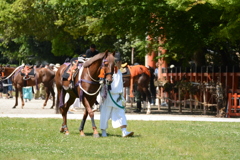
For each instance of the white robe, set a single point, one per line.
(109, 109)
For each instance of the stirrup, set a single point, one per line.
(26, 78)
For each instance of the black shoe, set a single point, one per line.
(137, 110)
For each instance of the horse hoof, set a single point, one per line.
(82, 135)
(61, 130)
(67, 133)
(14, 107)
(52, 107)
(96, 135)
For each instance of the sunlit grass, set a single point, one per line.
(40, 139)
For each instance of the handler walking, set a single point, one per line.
(113, 103)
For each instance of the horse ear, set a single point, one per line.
(106, 53)
(113, 54)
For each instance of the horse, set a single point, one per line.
(85, 86)
(141, 77)
(42, 75)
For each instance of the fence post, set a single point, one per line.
(204, 102)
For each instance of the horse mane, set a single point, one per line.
(93, 59)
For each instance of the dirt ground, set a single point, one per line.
(35, 107)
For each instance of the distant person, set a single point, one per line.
(5, 88)
(10, 87)
(1, 89)
(47, 66)
(156, 71)
(51, 66)
(92, 51)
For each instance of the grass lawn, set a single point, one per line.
(40, 139)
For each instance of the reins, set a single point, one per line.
(91, 76)
(81, 80)
(122, 107)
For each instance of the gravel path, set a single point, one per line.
(33, 109)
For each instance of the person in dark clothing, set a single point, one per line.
(1, 89)
(92, 51)
(5, 88)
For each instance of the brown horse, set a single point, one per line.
(42, 75)
(85, 86)
(139, 79)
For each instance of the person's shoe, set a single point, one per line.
(94, 109)
(127, 134)
(137, 110)
(104, 133)
(72, 109)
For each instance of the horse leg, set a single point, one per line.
(21, 96)
(81, 128)
(53, 97)
(64, 111)
(147, 99)
(47, 96)
(91, 114)
(58, 99)
(64, 128)
(149, 102)
(16, 97)
(131, 87)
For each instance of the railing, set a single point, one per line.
(206, 79)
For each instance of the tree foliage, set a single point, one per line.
(205, 31)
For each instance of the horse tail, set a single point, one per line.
(57, 104)
(58, 97)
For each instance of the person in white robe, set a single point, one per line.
(113, 103)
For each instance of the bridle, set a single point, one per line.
(94, 81)
(105, 74)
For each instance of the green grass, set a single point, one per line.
(39, 139)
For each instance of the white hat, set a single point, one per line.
(57, 65)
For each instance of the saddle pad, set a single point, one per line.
(138, 69)
(65, 74)
(31, 73)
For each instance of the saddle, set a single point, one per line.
(71, 71)
(27, 72)
(69, 74)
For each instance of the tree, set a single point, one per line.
(203, 28)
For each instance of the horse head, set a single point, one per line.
(102, 64)
(108, 66)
